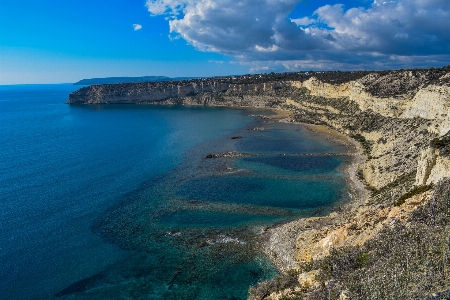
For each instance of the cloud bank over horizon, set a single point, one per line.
(261, 35)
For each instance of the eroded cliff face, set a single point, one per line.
(431, 103)
(373, 252)
(173, 92)
(355, 91)
(398, 94)
(431, 167)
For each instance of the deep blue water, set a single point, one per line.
(118, 201)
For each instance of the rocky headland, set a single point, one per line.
(392, 241)
(114, 80)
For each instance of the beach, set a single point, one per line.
(280, 241)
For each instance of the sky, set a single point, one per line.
(63, 41)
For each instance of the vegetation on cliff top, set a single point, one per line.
(415, 191)
(403, 82)
(114, 80)
(406, 260)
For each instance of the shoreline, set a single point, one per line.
(404, 151)
(359, 192)
(279, 241)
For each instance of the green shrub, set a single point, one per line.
(364, 143)
(415, 191)
(363, 259)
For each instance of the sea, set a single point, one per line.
(122, 201)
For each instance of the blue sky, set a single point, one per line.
(57, 41)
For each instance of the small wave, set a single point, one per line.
(233, 170)
(173, 234)
(223, 239)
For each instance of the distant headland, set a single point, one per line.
(115, 80)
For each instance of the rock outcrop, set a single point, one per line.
(431, 167)
(432, 103)
(364, 223)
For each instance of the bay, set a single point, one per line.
(117, 201)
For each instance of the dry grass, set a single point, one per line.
(408, 260)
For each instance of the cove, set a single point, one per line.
(117, 201)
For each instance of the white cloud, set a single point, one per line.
(403, 27)
(272, 48)
(137, 27)
(305, 21)
(228, 26)
(173, 7)
(260, 30)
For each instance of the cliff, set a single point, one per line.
(113, 80)
(398, 230)
(179, 92)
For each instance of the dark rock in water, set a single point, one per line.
(81, 285)
(204, 244)
(257, 128)
(262, 117)
(228, 155)
(236, 137)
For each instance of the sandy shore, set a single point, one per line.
(280, 241)
(358, 191)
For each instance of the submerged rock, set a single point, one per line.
(231, 154)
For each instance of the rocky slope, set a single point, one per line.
(401, 120)
(378, 252)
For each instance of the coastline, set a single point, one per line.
(279, 241)
(358, 191)
(405, 152)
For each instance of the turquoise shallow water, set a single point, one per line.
(114, 202)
